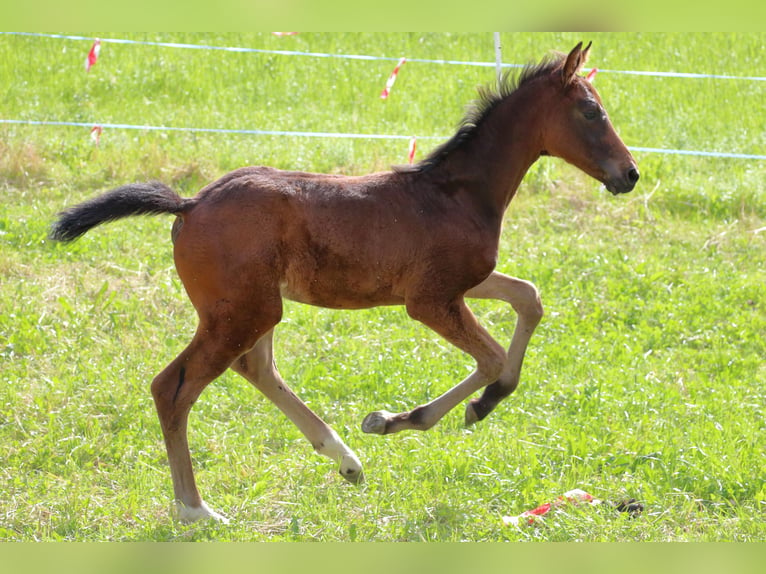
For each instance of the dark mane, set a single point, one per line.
(479, 109)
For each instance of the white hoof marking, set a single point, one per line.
(350, 466)
(189, 514)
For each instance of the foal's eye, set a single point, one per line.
(591, 113)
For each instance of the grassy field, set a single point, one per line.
(646, 378)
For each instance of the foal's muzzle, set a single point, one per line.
(625, 183)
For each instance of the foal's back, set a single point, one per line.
(328, 240)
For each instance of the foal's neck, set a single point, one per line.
(507, 142)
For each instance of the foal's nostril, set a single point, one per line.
(633, 175)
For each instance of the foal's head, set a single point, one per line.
(577, 129)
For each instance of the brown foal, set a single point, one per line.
(424, 236)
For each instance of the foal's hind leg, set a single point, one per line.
(525, 299)
(258, 367)
(219, 340)
(175, 390)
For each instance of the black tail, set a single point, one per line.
(134, 199)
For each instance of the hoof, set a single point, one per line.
(354, 477)
(470, 415)
(351, 469)
(189, 514)
(375, 423)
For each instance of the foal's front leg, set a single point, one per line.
(456, 323)
(525, 299)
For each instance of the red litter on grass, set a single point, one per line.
(575, 496)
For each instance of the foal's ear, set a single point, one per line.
(574, 63)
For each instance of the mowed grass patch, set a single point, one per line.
(644, 380)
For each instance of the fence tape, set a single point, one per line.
(372, 58)
(335, 135)
(352, 57)
(214, 130)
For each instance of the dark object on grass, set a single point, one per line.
(630, 505)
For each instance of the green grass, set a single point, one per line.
(645, 379)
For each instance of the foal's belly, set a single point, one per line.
(340, 292)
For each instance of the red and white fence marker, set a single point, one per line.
(95, 134)
(92, 58)
(284, 33)
(392, 79)
(591, 75)
(411, 151)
